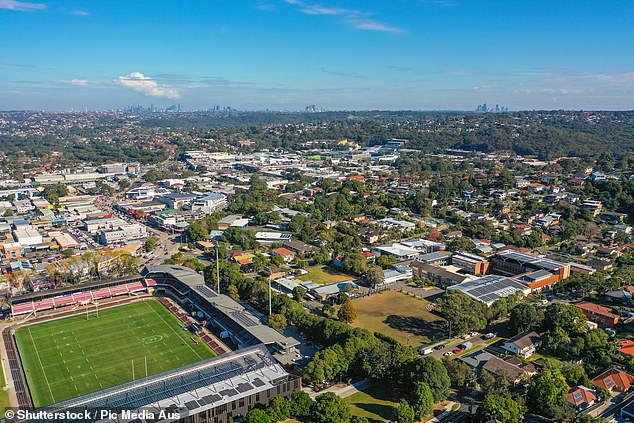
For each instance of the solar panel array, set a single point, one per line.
(206, 291)
(244, 319)
(578, 397)
(490, 288)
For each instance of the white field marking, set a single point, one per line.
(48, 385)
(177, 334)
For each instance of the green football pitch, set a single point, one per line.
(80, 354)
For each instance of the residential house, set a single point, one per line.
(581, 397)
(300, 248)
(524, 344)
(603, 316)
(285, 253)
(614, 380)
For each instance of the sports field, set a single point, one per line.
(400, 316)
(77, 355)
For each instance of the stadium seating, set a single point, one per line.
(80, 298)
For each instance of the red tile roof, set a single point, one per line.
(581, 395)
(627, 346)
(597, 309)
(614, 378)
(283, 252)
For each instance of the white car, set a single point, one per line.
(448, 353)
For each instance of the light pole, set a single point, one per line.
(217, 269)
(270, 273)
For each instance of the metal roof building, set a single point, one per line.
(217, 389)
(491, 288)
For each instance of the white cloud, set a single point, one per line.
(146, 85)
(21, 6)
(80, 13)
(357, 19)
(375, 26)
(79, 82)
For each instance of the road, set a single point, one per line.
(477, 341)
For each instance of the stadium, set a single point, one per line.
(128, 349)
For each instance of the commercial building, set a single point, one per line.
(64, 240)
(471, 263)
(27, 236)
(531, 270)
(123, 234)
(441, 275)
(210, 203)
(491, 288)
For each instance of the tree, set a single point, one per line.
(525, 317)
(279, 409)
(196, 232)
(461, 243)
(505, 410)
(329, 408)
(151, 243)
(298, 293)
(257, 415)
(462, 312)
(385, 259)
(277, 322)
(347, 312)
(374, 276)
(568, 317)
(428, 370)
(242, 238)
(547, 391)
(67, 252)
(301, 404)
(423, 400)
(232, 292)
(460, 373)
(405, 413)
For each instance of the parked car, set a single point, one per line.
(439, 347)
(465, 345)
(489, 335)
(426, 351)
(457, 351)
(448, 353)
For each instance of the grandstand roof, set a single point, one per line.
(241, 316)
(186, 275)
(46, 293)
(190, 389)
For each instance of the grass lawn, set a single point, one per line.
(374, 403)
(399, 316)
(324, 275)
(73, 356)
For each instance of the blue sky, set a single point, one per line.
(337, 54)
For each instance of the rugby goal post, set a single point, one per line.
(92, 312)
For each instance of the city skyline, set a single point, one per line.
(286, 54)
